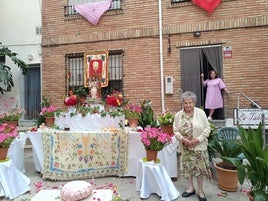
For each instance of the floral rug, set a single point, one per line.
(80, 155)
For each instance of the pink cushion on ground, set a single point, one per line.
(76, 190)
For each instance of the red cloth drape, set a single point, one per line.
(208, 5)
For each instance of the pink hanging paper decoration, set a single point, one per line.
(93, 11)
(208, 5)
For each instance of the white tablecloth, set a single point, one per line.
(89, 122)
(153, 178)
(12, 182)
(136, 151)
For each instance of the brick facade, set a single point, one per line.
(135, 30)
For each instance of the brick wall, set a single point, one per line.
(134, 29)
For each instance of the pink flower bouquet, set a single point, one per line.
(154, 139)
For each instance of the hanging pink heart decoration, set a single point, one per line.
(208, 5)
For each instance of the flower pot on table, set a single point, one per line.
(133, 122)
(3, 153)
(50, 121)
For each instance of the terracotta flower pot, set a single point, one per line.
(227, 179)
(151, 155)
(168, 129)
(50, 121)
(133, 122)
(14, 123)
(3, 153)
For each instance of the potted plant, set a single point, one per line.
(255, 170)
(166, 120)
(132, 113)
(8, 133)
(49, 112)
(146, 117)
(226, 171)
(81, 93)
(13, 116)
(154, 140)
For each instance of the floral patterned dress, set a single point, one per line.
(192, 162)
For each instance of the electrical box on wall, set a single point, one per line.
(169, 84)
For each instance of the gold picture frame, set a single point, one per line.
(96, 67)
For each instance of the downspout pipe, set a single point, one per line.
(161, 54)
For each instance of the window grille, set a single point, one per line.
(178, 1)
(75, 72)
(69, 9)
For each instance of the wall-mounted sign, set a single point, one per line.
(228, 52)
(250, 117)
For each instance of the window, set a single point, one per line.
(69, 9)
(75, 72)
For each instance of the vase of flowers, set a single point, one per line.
(8, 133)
(154, 140)
(166, 120)
(49, 114)
(132, 113)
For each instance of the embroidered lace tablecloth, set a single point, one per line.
(70, 155)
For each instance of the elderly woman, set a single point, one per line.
(191, 129)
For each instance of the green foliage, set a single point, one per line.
(166, 118)
(46, 101)
(146, 117)
(211, 138)
(256, 168)
(117, 111)
(39, 119)
(81, 92)
(5, 71)
(226, 148)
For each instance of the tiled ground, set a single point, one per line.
(124, 187)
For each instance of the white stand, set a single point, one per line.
(153, 178)
(12, 182)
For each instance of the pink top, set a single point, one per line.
(214, 98)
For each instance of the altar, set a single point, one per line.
(68, 155)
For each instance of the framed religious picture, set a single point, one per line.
(96, 68)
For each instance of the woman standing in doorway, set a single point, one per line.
(214, 99)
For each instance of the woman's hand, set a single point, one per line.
(186, 142)
(194, 142)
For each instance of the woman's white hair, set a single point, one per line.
(187, 95)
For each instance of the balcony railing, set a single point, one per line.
(70, 11)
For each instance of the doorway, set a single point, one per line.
(32, 92)
(197, 60)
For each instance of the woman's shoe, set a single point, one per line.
(202, 198)
(186, 194)
(209, 118)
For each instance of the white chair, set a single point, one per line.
(12, 182)
(16, 151)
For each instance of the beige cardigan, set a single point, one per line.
(201, 128)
